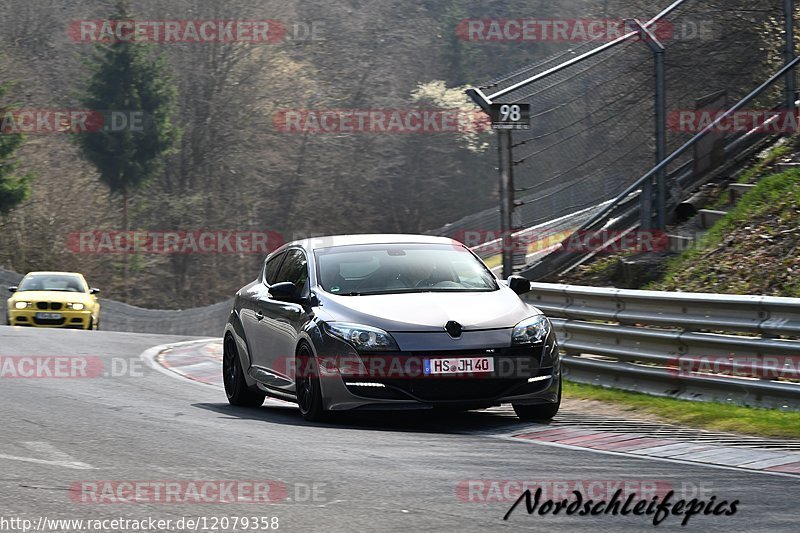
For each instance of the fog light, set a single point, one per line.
(365, 384)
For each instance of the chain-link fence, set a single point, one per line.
(593, 122)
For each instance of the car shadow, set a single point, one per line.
(495, 420)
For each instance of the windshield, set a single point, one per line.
(398, 268)
(52, 282)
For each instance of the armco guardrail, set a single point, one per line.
(117, 316)
(738, 349)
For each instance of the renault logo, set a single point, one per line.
(453, 329)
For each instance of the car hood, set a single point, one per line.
(429, 311)
(51, 296)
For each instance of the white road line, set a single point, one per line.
(48, 450)
(66, 464)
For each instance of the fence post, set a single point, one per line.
(661, 134)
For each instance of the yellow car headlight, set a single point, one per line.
(76, 307)
(23, 305)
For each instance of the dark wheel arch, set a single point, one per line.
(236, 389)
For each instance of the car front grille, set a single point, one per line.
(45, 306)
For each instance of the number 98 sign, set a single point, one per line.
(510, 116)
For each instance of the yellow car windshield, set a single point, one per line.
(52, 282)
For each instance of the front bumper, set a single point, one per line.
(69, 319)
(519, 377)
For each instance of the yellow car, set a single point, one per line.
(54, 300)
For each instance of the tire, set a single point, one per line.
(309, 392)
(236, 389)
(91, 324)
(545, 411)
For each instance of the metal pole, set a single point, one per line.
(506, 199)
(788, 53)
(647, 200)
(661, 140)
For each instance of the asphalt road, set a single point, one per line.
(383, 472)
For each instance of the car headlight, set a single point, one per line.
(23, 305)
(531, 330)
(362, 337)
(76, 307)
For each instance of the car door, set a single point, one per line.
(281, 322)
(249, 312)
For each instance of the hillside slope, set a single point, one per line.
(753, 250)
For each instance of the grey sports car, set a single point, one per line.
(388, 322)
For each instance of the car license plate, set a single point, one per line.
(48, 316)
(459, 365)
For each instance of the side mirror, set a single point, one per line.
(13, 289)
(285, 292)
(519, 284)
(94, 291)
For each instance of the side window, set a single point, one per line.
(295, 269)
(271, 269)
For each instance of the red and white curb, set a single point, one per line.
(683, 451)
(198, 361)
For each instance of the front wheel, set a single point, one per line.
(236, 389)
(309, 392)
(545, 411)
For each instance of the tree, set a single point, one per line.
(13, 189)
(128, 78)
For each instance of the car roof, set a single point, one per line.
(49, 273)
(332, 241)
